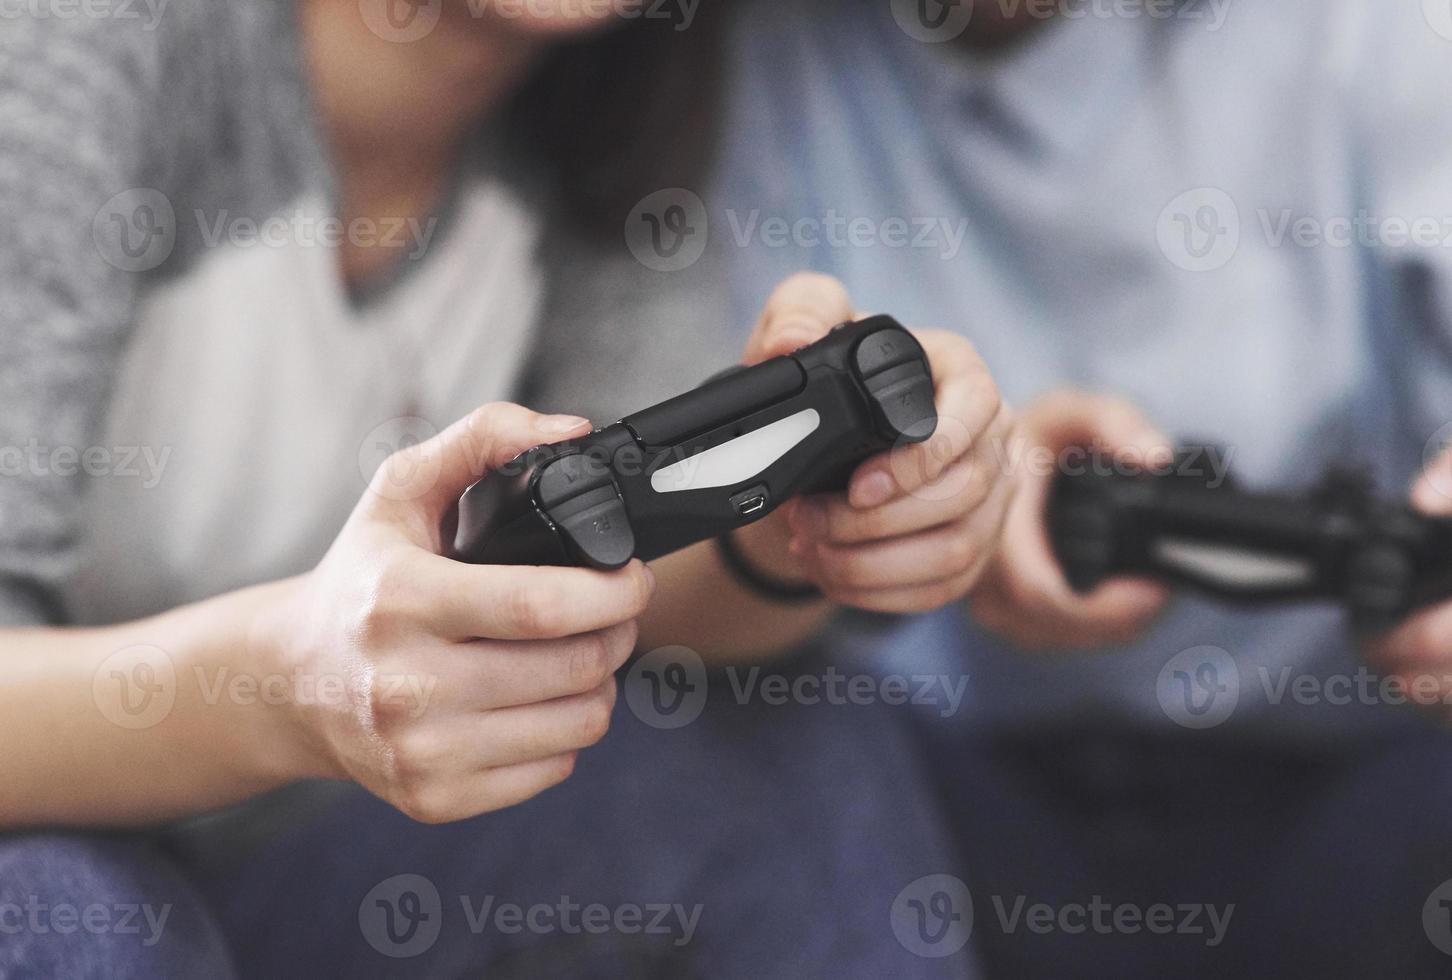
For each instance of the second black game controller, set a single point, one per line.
(709, 461)
(1182, 526)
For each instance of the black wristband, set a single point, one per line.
(758, 582)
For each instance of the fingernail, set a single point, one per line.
(649, 575)
(871, 490)
(808, 519)
(561, 424)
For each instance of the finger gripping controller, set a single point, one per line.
(1184, 527)
(706, 462)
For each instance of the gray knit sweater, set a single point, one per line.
(114, 131)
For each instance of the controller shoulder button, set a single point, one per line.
(570, 476)
(596, 525)
(884, 349)
(904, 395)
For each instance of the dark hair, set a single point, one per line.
(614, 117)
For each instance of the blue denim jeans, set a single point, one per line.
(80, 907)
(759, 841)
(795, 841)
(1336, 859)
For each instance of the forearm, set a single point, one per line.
(89, 737)
(700, 604)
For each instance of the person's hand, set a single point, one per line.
(917, 524)
(1024, 596)
(468, 688)
(1417, 653)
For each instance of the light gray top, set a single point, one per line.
(1236, 214)
(190, 400)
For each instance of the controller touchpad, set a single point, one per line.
(738, 460)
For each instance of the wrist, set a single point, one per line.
(261, 690)
(759, 560)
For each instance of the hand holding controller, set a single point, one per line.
(1340, 543)
(1418, 650)
(1024, 597)
(709, 461)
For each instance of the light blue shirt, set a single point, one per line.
(1204, 212)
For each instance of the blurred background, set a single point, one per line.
(251, 251)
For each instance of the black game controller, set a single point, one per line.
(706, 462)
(1183, 527)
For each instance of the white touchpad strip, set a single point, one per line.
(1235, 567)
(740, 459)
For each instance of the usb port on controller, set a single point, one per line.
(749, 502)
